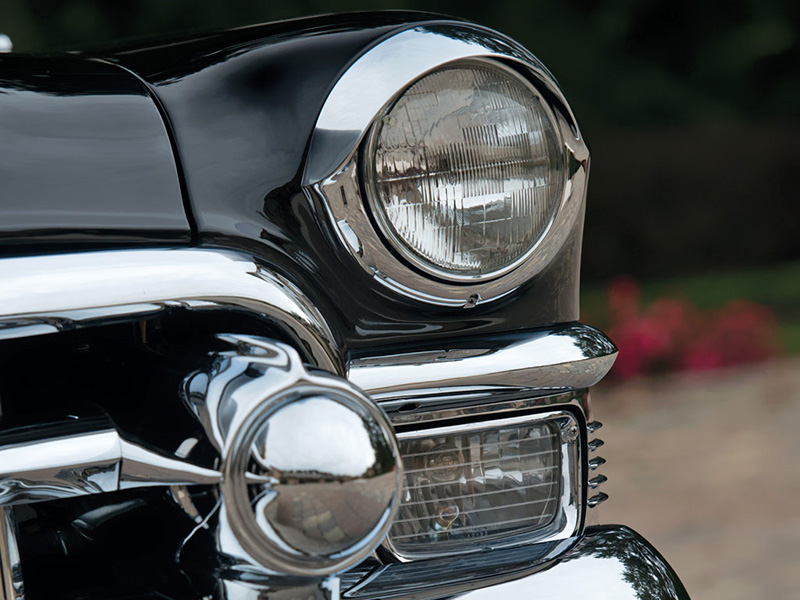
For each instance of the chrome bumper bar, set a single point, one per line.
(569, 356)
(609, 561)
(52, 293)
(48, 294)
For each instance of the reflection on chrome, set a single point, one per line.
(612, 561)
(320, 445)
(48, 294)
(70, 458)
(311, 473)
(573, 356)
(235, 589)
(11, 586)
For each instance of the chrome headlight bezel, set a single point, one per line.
(333, 174)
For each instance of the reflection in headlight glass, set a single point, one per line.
(480, 485)
(468, 171)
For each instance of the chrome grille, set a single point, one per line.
(595, 462)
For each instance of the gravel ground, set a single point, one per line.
(707, 467)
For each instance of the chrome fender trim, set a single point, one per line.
(47, 294)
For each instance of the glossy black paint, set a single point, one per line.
(85, 159)
(242, 105)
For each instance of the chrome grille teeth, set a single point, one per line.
(593, 426)
(597, 499)
(596, 462)
(595, 482)
(595, 444)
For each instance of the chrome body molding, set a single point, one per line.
(573, 356)
(47, 294)
(72, 458)
(332, 175)
(612, 560)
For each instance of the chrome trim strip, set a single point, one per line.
(575, 356)
(332, 176)
(47, 294)
(11, 586)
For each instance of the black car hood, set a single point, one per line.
(85, 159)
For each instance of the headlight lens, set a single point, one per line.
(475, 485)
(468, 171)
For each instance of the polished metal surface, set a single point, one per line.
(596, 462)
(5, 43)
(566, 521)
(596, 499)
(47, 294)
(596, 481)
(311, 474)
(233, 589)
(78, 457)
(332, 171)
(608, 562)
(11, 586)
(486, 403)
(575, 356)
(594, 426)
(595, 444)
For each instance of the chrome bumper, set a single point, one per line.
(523, 370)
(610, 561)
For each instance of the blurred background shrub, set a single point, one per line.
(673, 334)
(690, 108)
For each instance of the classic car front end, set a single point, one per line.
(291, 311)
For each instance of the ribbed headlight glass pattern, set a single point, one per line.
(480, 484)
(468, 171)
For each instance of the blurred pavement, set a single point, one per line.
(707, 467)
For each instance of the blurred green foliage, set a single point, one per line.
(777, 287)
(690, 108)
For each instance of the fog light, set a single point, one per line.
(469, 487)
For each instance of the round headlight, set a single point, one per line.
(468, 171)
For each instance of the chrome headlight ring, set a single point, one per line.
(333, 174)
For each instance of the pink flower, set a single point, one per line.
(672, 334)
